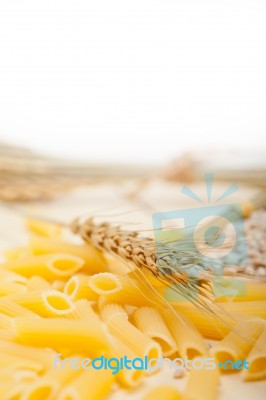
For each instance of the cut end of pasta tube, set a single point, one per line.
(153, 352)
(192, 351)
(44, 390)
(65, 264)
(57, 303)
(105, 283)
(68, 394)
(163, 392)
(257, 360)
(71, 287)
(133, 377)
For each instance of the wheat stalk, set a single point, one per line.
(166, 263)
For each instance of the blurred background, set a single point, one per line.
(133, 81)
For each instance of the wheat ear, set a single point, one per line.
(161, 260)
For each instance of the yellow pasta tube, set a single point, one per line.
(46, 387)
(16, 363)
(25, 375)
(149, 321)
(248, 308)
(47, 266)
(224, 317)
(94, 260)
(58, 284)
(255, 291)
(257, 360)
(122, 289)
(9, 288)
(188, 340)
(5, 322)
(37, 283)
(16, 253)
(202, 384)
(245, 308)
(126, 377)
(236, 345)
(110, 311)
(93, 385)
(45, 303)
(116, 266)
(118, 325)
(165, 392)
(6, 334)
(44, 356)
(104, 283)
(9, 276)
(10, 391)
(43, 228)
(13, 309)
(77, 288)
(83, 311)
(61, 333)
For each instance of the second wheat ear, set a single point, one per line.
(161, 260)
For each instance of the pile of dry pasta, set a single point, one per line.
(68, 298)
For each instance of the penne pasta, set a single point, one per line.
(116, 266)
(14, 310)
(165, 392)
(254, 291)
(15, 363)
(83, 311)
(61, 333)
(7, 334)
(20, 375)
(46, 387)
(9, 288)
(237, 344)
(5, 322)
(149, 321)
(93, 385)
(188, 340)
(109, 311)
(119, 326)
(10, 391)
(126, 377)
(225, 316)
(94, 261)
(122, 289)
(9, 276)
(25, 375)
(45, 303)
(77, 288)
(59, 299)
(43, 228)
(257, 360)
(17, 253)
(105, 283)
(58, 284)
(47, 266)
(202, 384)
(45, 356)
(37, 283)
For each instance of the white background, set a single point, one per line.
(132, 80)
